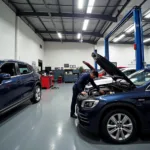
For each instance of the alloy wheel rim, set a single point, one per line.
(119, 126)
(38, 94)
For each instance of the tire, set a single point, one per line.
(37, 94)
(120, 132)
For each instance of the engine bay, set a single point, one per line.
(111, 88)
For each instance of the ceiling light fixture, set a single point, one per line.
(59, 35)
(78, 35)
(118, 38)
(85, 24)
(90, 6)
(80, 4)
(147, 14)
(146, 40)
(130, 29)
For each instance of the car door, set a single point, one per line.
(9, 89)
(27, 78)
(146, 103)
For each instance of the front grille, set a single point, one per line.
(83, 119)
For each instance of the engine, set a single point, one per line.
(112, 88)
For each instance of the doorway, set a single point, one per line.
(40, 65)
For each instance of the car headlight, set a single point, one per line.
(89, 103)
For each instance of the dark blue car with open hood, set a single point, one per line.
(124, 111)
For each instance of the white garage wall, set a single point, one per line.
(26, 42)
(147, 55)
(7, 32)
(56, 54)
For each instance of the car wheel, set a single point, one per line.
(119, 126)
(37, 94)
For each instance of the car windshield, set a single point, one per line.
(140, 77)
(122, 69)
(125, 72)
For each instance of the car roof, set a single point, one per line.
(147, 69)
(126, 69)
(13, 61)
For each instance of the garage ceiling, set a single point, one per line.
(66, 18)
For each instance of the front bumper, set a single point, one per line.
(89, 120)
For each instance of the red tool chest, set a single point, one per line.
(47, 81)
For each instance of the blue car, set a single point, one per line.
(123, 112)
(18, 83)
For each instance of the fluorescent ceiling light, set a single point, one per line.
(147, 14)
(119, 38)
(80, 4)
(90, 6)
(59, 35)
(78, 35)
(85, 24)
(146, 40)
(130, 29)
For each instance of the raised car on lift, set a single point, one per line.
(123, 112)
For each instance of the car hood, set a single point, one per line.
(90, 66)
(101, 82)
(122, 96)
(110, 68)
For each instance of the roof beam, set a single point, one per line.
(28, 1)
(122, 42)
(94, 16)
(132, 36)
(77, 41)
(120, 11)
(97, 34)
(103, 14)
(105, 23)
(49, 4)
(146, 20)
(73, 17)
(15, 9)
(61, 17)
(128, 42)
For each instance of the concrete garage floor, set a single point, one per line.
(47, 126)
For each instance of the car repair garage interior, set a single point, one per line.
(74, 74)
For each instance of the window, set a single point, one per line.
(1, 62)
(8, 68)
(23, 68)
(140, 77)
(128, 72)
(132, 71)
(30, 68)
(148, 88)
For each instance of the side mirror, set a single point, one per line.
(4, 76)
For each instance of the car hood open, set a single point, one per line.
(110, 68)
(90, 66)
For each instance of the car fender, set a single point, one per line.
(37, 82)
(124, 104)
